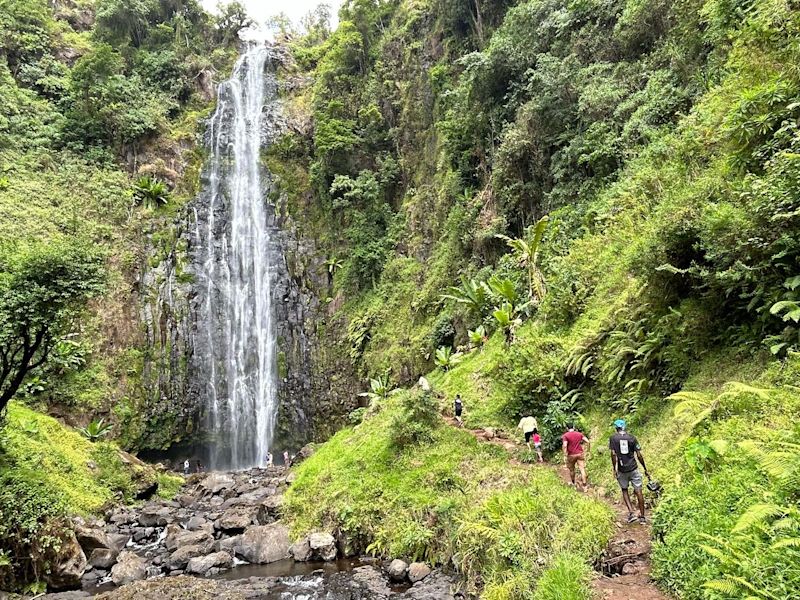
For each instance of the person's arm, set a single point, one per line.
(564, 448)
(588, 444)
(614, 462)
(641, 460)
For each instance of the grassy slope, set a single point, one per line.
(452, 499)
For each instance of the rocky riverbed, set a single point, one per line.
(221, 537)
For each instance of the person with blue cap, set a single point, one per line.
(625, 450)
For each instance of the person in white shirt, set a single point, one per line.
(528, 425)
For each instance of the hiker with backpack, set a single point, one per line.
(625, 450)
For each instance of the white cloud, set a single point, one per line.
(261, 10)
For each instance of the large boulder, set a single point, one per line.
(397, 570)
(67, 568)
(301, 550)
(181, 557)
(236, 518)
(201, 564)
(154, 516)
(262, 544)
(323, 546)
(269, 510)
(91, 537)
(129, 568)
(103, 558)
(177, 537)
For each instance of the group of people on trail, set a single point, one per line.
(626, 456)
(187, 467)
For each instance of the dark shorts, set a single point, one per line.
(528, 435)
(458, 412)
(625, 479)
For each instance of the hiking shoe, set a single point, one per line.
(632, 518)
(642, 521)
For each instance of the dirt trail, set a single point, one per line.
(624, 569)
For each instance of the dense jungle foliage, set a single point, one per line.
(100, 105)
(579, 209)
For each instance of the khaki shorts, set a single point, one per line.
(575, 459)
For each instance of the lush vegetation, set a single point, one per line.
(100, 107)
(402, 483)
(660, 141)
(48, 473)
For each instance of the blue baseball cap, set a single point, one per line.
(619, 423)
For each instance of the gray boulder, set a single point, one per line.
(323, 546)
(397, 570)
(301, 550)
(68, 566)
(129, 568)
(262, 544)
(177, 537)
(269, 510)
(181, 557)
(103, 558)
(418, 571)
(202, 564)
(195, 523)
(236, 518)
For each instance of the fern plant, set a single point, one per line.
(380, 388)
(527, 254)
(477, 336)
(472, 294)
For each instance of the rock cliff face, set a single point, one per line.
(316, 385)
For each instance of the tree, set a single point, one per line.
(122, 20)
(232, 19)
(43, 289)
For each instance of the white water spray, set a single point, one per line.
(235, 337)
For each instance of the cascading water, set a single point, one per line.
(235, 355)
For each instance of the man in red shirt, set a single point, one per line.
(573, 444)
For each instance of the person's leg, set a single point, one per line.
(637, 482)
(640, 498)
(627, 500)
(539, 454)
(582, 467)
(571, 467)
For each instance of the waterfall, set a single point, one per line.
(234, 338)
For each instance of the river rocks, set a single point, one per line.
(397, 570)
(301, 550)
(418, 571)
(129, 568)
(202, 564)
(90, 537)
(153, 516)
(262, 544)
(68, 565)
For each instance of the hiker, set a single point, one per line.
(186, 467)
(537, 444)
(528, 425)
(573, 445)
(286, 458)
(199, 467)
(269, 459)
(625, 449)
(458, 406)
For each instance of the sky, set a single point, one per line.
(261, 10)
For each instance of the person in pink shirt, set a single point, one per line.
(537, 444)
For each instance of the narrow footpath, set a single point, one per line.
(624, 569)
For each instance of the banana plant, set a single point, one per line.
(380, 388)
(471, 293)
(446, 359)
(477, 336)
(151, 192)
(527, 254)
(95, 430)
